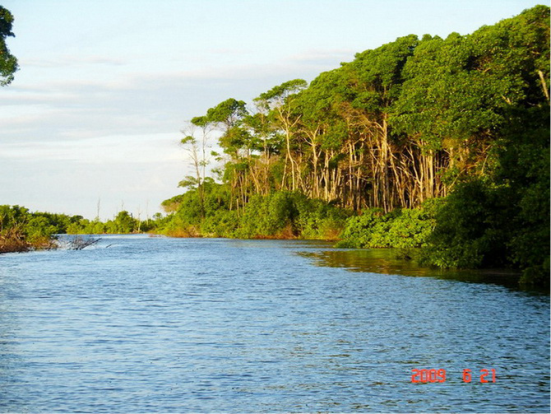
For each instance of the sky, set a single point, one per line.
(92, 122)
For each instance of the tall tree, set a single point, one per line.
(375, 79)
(279, 100)
(197, 150)
(8, 62)
(228, 117)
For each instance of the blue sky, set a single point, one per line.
(105, 86)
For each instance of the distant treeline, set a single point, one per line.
(442, 143)
(22, 230)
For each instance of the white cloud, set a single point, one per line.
(64, 62)
(141, 102)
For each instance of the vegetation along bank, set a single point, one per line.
(437, 145)
(423, 142)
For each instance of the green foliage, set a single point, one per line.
(266, 216)
(39, 228)
(172, 204)
(8, 62)
(10, 216)
(289, 215)
(524, 166)
(381, 71)
(33, 226)
(317, 219)
(21, 230)
(279, 214)
(472, 227)
(502, 219)
(278, 94)
(402, 125)
(530, 243)
(190, 216)
(285, 214)
(358, 229)
(405, 228)
(221, 223)
(227, 112)
(123, 223)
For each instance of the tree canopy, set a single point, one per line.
(465, 119)
(8, 62)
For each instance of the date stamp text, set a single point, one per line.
(439, 375)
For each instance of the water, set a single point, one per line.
(138, 324)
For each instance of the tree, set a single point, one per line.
(197, 149)
(498, 121)
(279, 101)
(523, 169)
(8, 62)
(228, 117)
(375, 80)
(123, 223)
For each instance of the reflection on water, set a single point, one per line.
(388, 261)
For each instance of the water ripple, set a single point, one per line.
(172, 325)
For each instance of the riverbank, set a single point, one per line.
(15, 242)
(392, 262)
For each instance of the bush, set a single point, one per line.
(406, 228)
(287, 215)
(21, 230)
(529, 244)
(281, 214)
(266, 216)
(222, 223)
(358, 230)
(317, 219)
(473, 227)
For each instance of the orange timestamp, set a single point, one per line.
(439, 375)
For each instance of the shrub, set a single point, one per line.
(472, 227)
(265, 216)
(406, 228)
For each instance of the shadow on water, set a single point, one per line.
(387, 261)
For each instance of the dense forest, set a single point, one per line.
(438, 146)
(441, 143)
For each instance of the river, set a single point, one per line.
(140, 324)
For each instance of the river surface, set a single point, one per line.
(138, 324)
